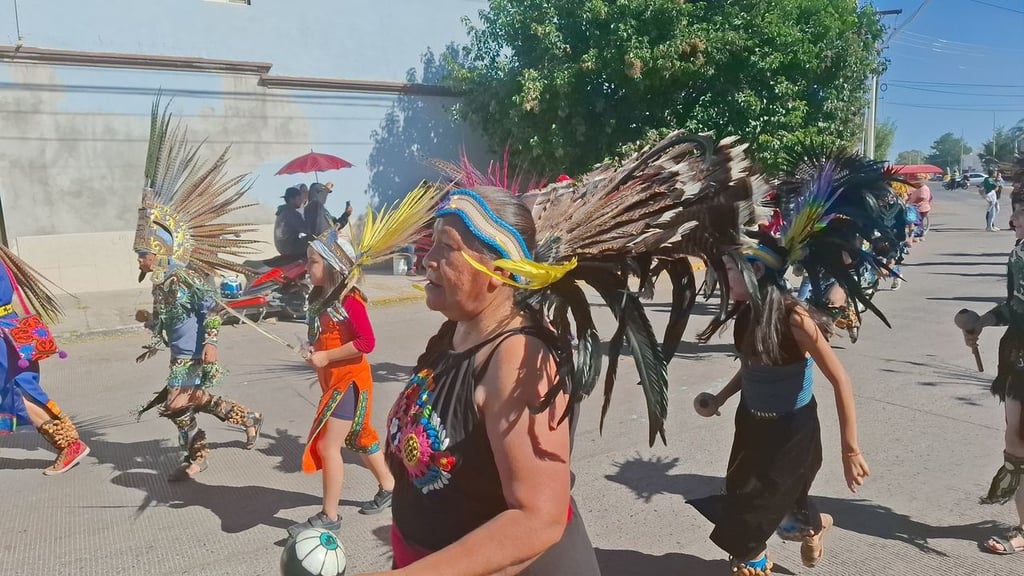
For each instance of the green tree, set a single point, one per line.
(998, 150)
(567, 84)
(910, 157)
(885, 133)
(947, 151)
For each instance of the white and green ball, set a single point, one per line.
(314, 552)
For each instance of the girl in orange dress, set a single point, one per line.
(340, 336)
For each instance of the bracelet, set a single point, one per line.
(853, 454)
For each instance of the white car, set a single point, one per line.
(975, 178)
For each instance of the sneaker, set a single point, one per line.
(896, 283)
(996, 229)
(67, 458)
(381, 500)
(319, 521)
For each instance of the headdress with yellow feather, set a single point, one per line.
(833, 199)
(382, 234)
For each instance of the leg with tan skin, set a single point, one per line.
(333, 474)
(1015, 447)
(376, 463)
(179, 408)
(36, 413)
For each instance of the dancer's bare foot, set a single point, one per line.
(187, 471)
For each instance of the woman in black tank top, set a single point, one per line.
(475, 462)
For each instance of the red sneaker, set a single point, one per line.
(67, 458)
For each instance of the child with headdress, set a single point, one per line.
(777, 447)
(340, 337)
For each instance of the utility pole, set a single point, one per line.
(961, 151)
(872, 115)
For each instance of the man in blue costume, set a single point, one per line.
(180, 243)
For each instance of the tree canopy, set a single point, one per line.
(947, 151)
(910, 157)
(567, 84)
(1002, 147)
(885, 133)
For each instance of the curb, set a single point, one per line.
(98, 333)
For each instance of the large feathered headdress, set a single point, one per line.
(832, 207)
(682, 197)
(21, 281)
(182, 200)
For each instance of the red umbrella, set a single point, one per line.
(917, 169)
(314, 162)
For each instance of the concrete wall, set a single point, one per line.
(73, 139)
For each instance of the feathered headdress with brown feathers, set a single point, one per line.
(683, 197)
(183, 199)
(21, 281)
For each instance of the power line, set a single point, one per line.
(956, 44)
(955, 84)
(938, 91)
(962, 108)
(1007, 8)
(905, 23)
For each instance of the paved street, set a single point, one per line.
(931, 433)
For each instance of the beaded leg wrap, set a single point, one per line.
(198, 450)
(1006, 482)
(229, 411)
(237, 414)
(61, 433)
(185, 421)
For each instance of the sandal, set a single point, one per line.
(257, 425)
(813, 547)
(760, 567)
(1007, 544)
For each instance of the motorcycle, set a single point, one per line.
(952, 184)
(279, 288)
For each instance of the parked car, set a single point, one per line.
(975, 178)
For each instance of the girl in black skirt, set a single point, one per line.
(777, 448)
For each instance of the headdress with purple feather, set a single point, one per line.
(834, 198)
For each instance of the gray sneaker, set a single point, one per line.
(381, 500)
(319, 521)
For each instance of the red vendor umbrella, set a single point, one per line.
(314, 162)
(917, 169)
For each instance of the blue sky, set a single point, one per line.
(957, 66)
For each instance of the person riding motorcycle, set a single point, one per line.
(290, 230)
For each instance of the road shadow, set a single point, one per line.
(286, 447)
(1000, 275)
(1002, 255)
(977, 299)
(144, 465)
(391, 372)
(633, 563)
(650, 477)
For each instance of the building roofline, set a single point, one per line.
(31, 55)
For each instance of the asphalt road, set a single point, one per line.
(931, 433)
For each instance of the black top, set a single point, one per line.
(446, 480)
(289, 228)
